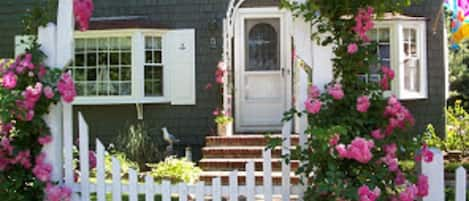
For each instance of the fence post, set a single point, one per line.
(84, 159)
(461, 185)
(286, 169)
(100, 172)
(234, 185)
(435, 172)
(250, 181)
(133, 185)
(116, 180)
(216, 189)
(267, 167)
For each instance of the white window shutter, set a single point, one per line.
(179, 61)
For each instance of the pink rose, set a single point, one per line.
(336, 91)
(92, 158)
(363, 103)
(425, 153)
(42, 170)
(400, 178)
(42, 72)
(314, 92)
(334, 140)
(409, 194)
(83, 10)
(365, 194)
(23, 158)
(48, 92)
(66, 88)
(313, 106)
(44, 140)
(377, 134)
(220, 76)
(6, 145)
(352, 48)
(422, 186)
(58, 193)
(340, 148)
(360, 150)
(9, 80)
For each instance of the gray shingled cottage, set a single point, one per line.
(150, 60)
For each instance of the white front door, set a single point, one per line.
(261, 73)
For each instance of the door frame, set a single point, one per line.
(239, 57)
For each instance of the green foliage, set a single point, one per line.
(223, 119)
(43, 12)
(175, 170)
(125, 164)
(141, 144)
(457, 131)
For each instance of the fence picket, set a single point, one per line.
(84, 159)
(133, 182)
(250, 181)
(116, 180)
(182, 192)
(68, 143)
(286, 144)
(234, 185)
(200, 191)
(461, 185)
(267, 166)
(435, 172)
(216, 189)
(149, 195)
(100, 172)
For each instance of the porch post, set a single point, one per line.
(57, 43)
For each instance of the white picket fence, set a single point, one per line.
(199, 191)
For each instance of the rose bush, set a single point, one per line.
(28, 89)
(357, 136)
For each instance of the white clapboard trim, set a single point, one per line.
(133, 185)
(84, 158)
(166, 191)
(65, 31)
(100, 172)
(116, 180)
(461, 185)
(183, 192)
(234, 186)
(286, 168)
(250, 181)
(68, 143)
(267, 166)
(435, 172)
(149, 194)
(216, 189)
(199, 192)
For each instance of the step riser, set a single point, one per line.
(221, 142)
(221, 153)
(241, 166)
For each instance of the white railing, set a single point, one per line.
(116, 188)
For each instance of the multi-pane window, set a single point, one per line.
(103, 66)
(382, 38)
(401, 46)
(153, 66)
(411, 61)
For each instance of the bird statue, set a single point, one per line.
(170, 139)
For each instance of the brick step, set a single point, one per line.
(244, 140)
(237, 152)
(207, 177)
(226, 164)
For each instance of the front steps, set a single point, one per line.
(225, 154)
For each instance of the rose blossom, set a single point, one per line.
(409, 194)
(359, 150)
(66, 88)
(377, 134)
(314, 92)
(363, 103)
(422, 186)
(92, 158)
(9, 80)
(58, 193)
(365, 194)
(352, 48)
(313, 106)
(23, 158)
(44, 140)
(42, 170)
(425, 153)
(48, 92)
(336, 91)
(334, 140)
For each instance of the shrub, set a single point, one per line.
(175, 170)
(457, 131)
(140, 144)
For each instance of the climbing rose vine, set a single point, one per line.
(358, 138)
(28, 89)
(83, 10)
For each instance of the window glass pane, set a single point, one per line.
(262, 45)
(380, 36)
(103, 67)
(412, 75)
(153, 67)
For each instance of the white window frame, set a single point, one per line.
(396, 28)
(137, 69)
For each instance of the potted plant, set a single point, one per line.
(224, 123)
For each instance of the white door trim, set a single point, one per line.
(239, 38)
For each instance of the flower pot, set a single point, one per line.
(225, 129)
